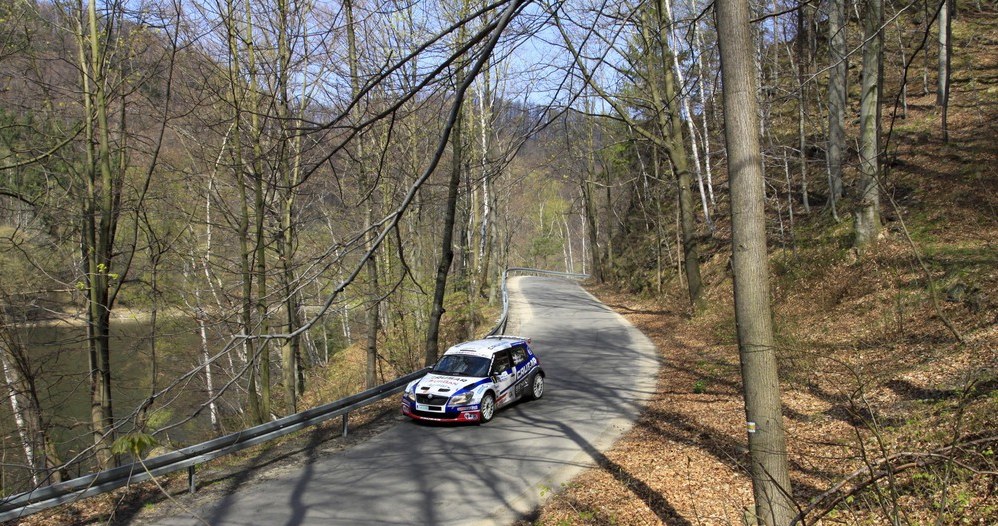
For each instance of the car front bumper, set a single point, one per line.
(460, 414)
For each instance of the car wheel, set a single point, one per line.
(537, 387)
(488, 407)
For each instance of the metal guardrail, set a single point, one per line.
(30, 502)
(22, 504)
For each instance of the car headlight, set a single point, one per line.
(462, 399)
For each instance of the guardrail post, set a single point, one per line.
(345, 419)
(192, 485)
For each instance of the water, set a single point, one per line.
(60, 360)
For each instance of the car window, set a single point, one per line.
(501, 362)
(461, 365)
(519, 355)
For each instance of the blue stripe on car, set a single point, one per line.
(514, 384)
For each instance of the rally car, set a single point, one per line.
(474, 379)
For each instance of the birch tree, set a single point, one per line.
(654, 71)
(42, 458)
(946, 12)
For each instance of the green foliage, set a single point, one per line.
(544, 242)
(700, 386)
(134, 444)
(542, 248)
(464, 312)
(159, 418)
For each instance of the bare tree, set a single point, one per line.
(760, 381)
(19, 373)
(450, 211)
(238, 98)
(686, 114)
(867, 215)
(837, 89)
(656, 74)
(107, 243)
(374, 293)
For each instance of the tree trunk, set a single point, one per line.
(289, 163)
(39, 450)
(156, 251)
(837, 89)
(14, 388)
(767, 443)
(259, 212)
(588, 190)
(670, 123)
(589, 210)
(373, 313)
(803, 52)
(943, 63)
(447, 239)
(691, 253)
(697, 43)
(432, 347)
(485, 120)
(200, 316)
(237, 95)
(100, 221)
(685, 101)
(945, 53)
(867, 216)
(373, 308)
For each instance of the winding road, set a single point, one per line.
(600, 370)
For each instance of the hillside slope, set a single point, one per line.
(874, 375)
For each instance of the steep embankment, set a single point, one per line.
(873, 371)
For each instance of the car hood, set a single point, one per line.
(439, 384)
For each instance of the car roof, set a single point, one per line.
(486, 347)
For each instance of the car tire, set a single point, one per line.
(487, 408)
(536, 387)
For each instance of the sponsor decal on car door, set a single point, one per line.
(502, 371)
(522, 368)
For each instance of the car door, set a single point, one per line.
(503, 377)
(521, 371)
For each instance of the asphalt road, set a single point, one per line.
(600, 370)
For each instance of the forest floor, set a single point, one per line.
(871, 376)
(685, 462)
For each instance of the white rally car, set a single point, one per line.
(474, 379)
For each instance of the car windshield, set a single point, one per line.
(462, 365)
